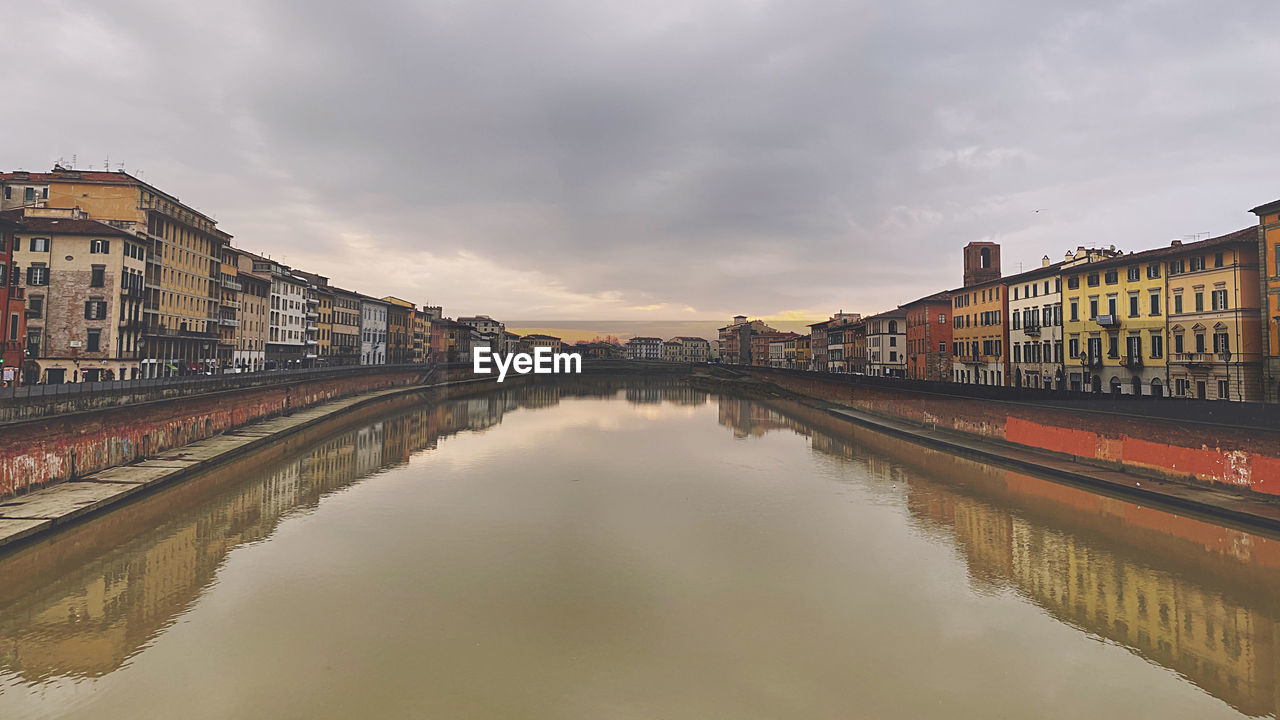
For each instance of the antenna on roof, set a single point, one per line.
(107, 165)
(73, 159)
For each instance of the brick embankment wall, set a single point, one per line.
(1242, 457)
(46, 450)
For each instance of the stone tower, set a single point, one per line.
(981, 263)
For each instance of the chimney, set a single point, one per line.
(1176, 243)
(1044, 261)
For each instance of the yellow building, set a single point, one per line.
(1113, 318)
(1269, 294)
(183, 297)
(1215, 324)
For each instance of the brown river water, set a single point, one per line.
(634, 549)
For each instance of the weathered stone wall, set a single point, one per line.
(45, 450)
(1243, 457)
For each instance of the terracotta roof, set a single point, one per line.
(945, 295)
(894, 313)
(70, 226)
(1266, 208)
(540, 336)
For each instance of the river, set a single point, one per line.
(634, 549)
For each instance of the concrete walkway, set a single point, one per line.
(43, 510)
(1217, 502)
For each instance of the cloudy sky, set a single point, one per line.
(684, 159)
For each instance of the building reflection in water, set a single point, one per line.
(1194, 597)
(67, 610)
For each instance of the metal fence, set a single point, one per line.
(194, 384)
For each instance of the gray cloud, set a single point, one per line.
(578, 159)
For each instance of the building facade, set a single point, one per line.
(250, 353)
(345, 341)
(13, 340)
(84, 289)
(978, 314)
(1114, 324)
(645, 348)
(373, 331)
(929, 337)
(1269, 295)
(1036, 344)
(886, 342)
(1213, 300)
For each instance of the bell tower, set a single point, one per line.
(981, 263)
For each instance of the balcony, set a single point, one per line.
(1133, 362)
(1112, 321)
(33, 314)
(132, 293)
(229, 284)
(234, 304)
(312, 341)
(1090, 360)
(1194, 360)
(228, 322)
(311, 314)
(311, 328)
(1032, 330)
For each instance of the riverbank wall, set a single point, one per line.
(38, 452)
(1214, 445)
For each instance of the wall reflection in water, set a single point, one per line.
(83, 603)
(1195, 597)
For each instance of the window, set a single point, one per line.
(1178, 343)
(1199, 302)
(1133, 345)
(942, 347)
(95, 309)
(37, 275)
(1073, 348)
(1111, 305)
(4, 275)
(1217, 260)
(1157, 346)
(94, 342)
(1153, 271)
(1134, 273)
(28, 194)
(1199, 342)
(1073, 282)
(1093, 279)
(1113, 277)
(97, 247)
(1219, 299)
(1075, 311)
(1224, 389)
(1093, 308)
(1221, 342)
(1133, 305)
(39, 244)
(33, 342)
(98, 276)
(1177, 303)
(1176, 267)
(35, 305)
(1197, 263)
(1155, 303)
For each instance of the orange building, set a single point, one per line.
(979, 313)
(1269, 255)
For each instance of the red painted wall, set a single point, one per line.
(1204, 453)
(38, 452)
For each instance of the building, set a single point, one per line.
(1036, 343)
(855, 346)
(250, 351)
(978, 313)
(692, 349)
(450, 341)
(1269, 295)
(802, 360)
(318, 319)
(671, 351)
(373, 331)
(229, 307)
(818, 346)
(12, 308)
(837, 330)
(886, 339)
(345, 343)
(286, 315)
(644, 348)
(183, 255)
(760, 346)
(1213, 300)
(536, 340)
(735, 339)
(929, 337)
(421, 336)
(399, 330)
(601, 351)
(84, 290)
(1114, 324)
(484, 324)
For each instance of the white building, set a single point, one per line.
(887, 344)
(1035, 328)
(373, 331)
(484, 324)
(286, 321)
(645, 348)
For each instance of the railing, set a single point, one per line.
(195, 383)
(1031, 330)
(1192, 358)
(1108, 320)
(1133, 362)
(135, 293)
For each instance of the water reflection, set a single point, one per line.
(89, 618)
(1189, 595)
(1184, 594)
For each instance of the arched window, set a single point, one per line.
(893, 326)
